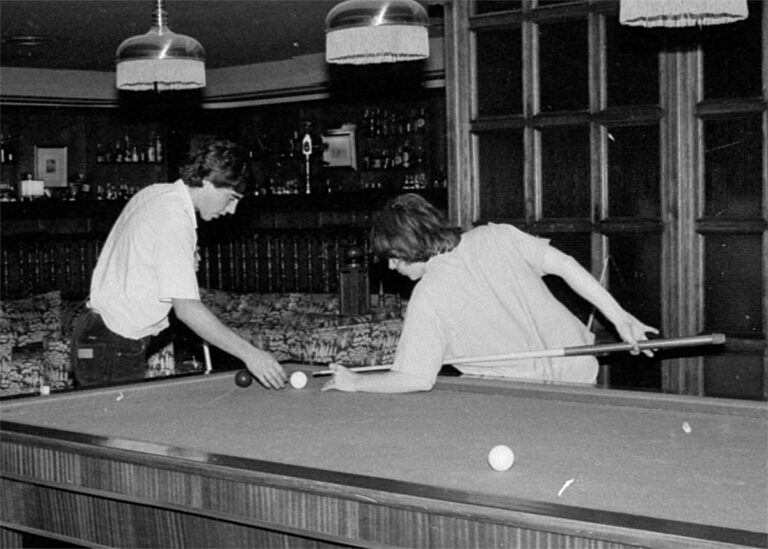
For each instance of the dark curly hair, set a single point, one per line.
(412, 229)
(222, 162)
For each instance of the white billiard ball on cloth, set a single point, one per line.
(298, 380)
(501, 457)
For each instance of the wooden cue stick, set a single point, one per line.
(605, 348)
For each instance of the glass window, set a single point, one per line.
(563, 66)
(628, 74)
(502, 194)
(565, 168)
(635, 274)
(499, 72)
(579, 246)
(733, 284)
(633, 372)
(633, 171)
(733, 167)
(728, 378)
(733, 56)
(632, 64)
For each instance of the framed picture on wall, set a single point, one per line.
(339, 148)
(51, 166)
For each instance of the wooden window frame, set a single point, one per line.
(679, 114)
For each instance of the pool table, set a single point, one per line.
(200, 462)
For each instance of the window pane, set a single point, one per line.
(565, 172)
(725, 377)
(733, 290)
(633, 171)
(502, 193)
(499, 72)
(564, 66)
(578, 245)
(634, 271)
(635, 275)
(632, 56)
(733, 56)
(733, 166)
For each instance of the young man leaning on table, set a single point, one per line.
(481, 293)
(148, 266)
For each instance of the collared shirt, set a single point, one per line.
(147, 260)
(488, 297)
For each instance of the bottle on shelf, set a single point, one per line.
(406, 154)
(397, 161)
(85, 187)
(151, 156)
(119, 155)
(127, 149)
(421, 121)
(158, 149)
(7, 149)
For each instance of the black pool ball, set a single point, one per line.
(243, 378)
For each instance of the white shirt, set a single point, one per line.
(488, 297)
(147, 260)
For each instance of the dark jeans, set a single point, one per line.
(101, 357)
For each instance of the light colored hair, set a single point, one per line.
(412, 229)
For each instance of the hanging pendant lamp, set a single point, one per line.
(681, 13)
(160, 59)
(360, 32)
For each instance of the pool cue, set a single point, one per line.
(601, 349)
(207, 357)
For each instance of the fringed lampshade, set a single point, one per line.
(160, 59)
(681, 13)
(360, 32)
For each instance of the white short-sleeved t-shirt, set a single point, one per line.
(488, 297)
(147, 260)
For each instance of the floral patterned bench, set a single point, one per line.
(35, 333)
(34, 340)
(309, 328)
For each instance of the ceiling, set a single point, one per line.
(84, 34)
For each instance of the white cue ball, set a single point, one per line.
(298, 380)
(501, 457)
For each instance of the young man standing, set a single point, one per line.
(148, 266)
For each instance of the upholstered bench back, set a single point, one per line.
(35, 337)
(309, 328)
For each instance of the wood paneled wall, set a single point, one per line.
(266, 261)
